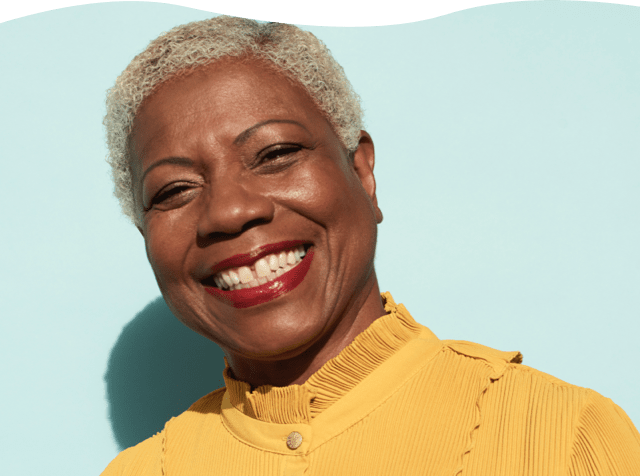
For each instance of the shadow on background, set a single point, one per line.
(157, 369)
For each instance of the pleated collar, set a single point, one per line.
(301, 403)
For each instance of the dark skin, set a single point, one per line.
(258, 163)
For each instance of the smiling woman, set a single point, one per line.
(237, 164)
(238, 153)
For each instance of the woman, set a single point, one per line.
(238, 153)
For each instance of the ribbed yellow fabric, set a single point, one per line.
(398, 401)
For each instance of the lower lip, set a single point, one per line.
(266, 292)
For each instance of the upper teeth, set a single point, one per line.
(261, 271)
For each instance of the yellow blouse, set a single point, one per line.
(397, 401)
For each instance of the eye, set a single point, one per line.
(280, 151)
(170, 194)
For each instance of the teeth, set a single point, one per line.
(262, 271)
(245, 274)
(262, 268)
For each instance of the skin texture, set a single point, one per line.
(241, 183)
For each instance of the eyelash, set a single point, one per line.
(168, 193)
(282, 150)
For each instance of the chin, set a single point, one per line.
(280, 342)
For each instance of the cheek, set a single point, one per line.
(323, 194)
(335, 199)
(158, 263)
(165, 250)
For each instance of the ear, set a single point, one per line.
(140, 230)
(364, 159)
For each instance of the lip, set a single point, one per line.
(248, 297)
(248, 258)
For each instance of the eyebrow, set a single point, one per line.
(183, 161)
(243, 137)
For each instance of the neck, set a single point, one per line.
(298, 369)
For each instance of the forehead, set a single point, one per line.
(226, 97)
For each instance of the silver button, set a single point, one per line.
(294, 440)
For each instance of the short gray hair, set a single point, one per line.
(298, 54)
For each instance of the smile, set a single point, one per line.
(259, 277)
(261, 271)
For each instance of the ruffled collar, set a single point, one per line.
(301, 403)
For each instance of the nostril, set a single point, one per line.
(254, 223)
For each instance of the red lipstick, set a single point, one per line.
(247, 259)
(248, 297)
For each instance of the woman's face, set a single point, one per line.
(234, 163)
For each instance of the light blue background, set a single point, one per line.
(508, 166)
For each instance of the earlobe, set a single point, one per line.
(379, 216)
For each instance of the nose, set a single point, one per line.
(232, 207)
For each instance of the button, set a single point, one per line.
(294, 440)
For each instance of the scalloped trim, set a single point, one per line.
(498, 366)
(164, 452)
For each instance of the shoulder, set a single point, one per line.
(141, 459)
(605, 440)
(507, 366)
(146, 458)
(210, 403)
(516, 385)
(523, 408)
(492, 356)
(485, 362)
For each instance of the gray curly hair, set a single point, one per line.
(298, 54)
